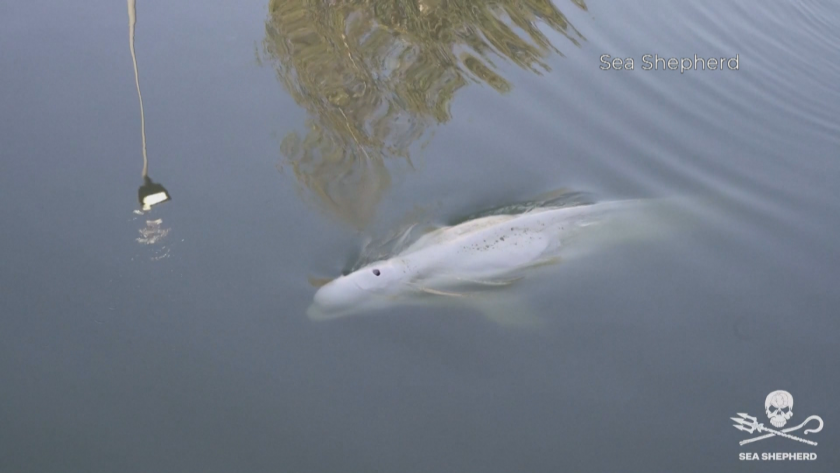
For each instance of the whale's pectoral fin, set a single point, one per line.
(437, 292)
(480, 282)
(506, 310)
(548, 261)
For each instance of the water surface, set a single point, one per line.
(287, 132)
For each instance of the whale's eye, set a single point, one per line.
(376, 272)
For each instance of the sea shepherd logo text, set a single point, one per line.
(778, 406)
(777, 456)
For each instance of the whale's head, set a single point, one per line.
(368, 288)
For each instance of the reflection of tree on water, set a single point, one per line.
(375, 75)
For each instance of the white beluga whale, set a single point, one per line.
(471, 262)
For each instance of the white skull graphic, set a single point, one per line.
(779, 407)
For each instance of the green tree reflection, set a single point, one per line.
(376, 75)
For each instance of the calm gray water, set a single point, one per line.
(286, 133)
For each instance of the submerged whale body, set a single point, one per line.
(460, 262)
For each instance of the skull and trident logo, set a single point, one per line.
(779, 409)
